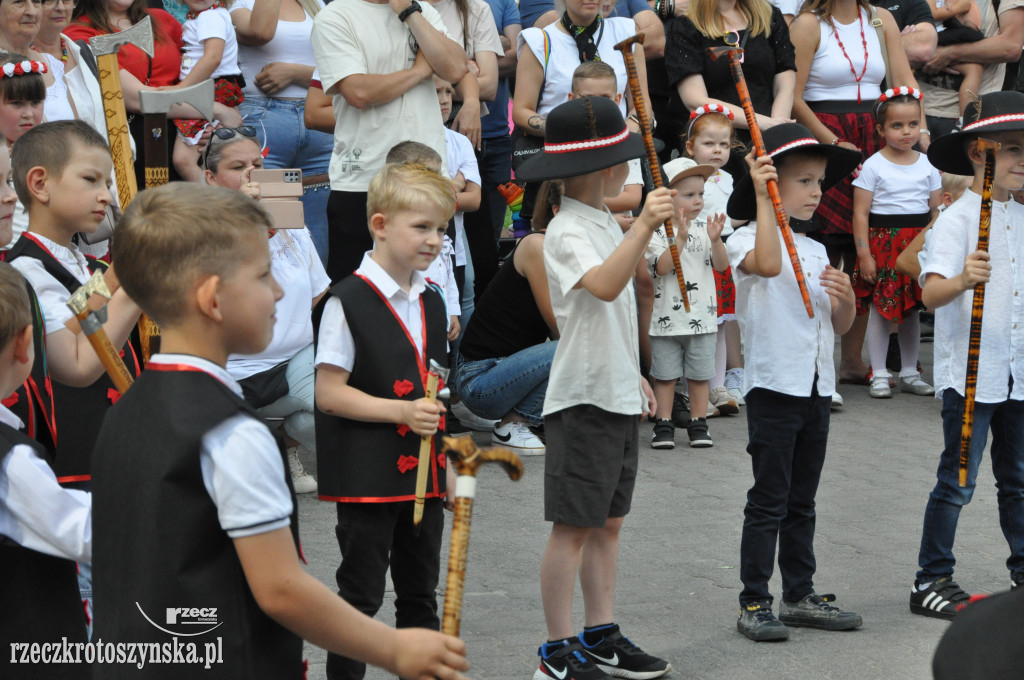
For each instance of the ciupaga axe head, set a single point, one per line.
(140, 35)
(198, 96)
(79, 300)
(717, 53)
(442, 373)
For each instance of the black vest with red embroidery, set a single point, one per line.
(79, 410)
(32, 402)
(360, 462)
(40, 595)
(158, 541)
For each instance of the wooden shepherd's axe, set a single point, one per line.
(91, 319)
(105, 47)
(467, 459)
(436, 372)
(154, 105)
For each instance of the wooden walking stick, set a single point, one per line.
(626, 47)
(91, 321)
(436, 373)
(467, 459)
(989, 148)
(735, 55)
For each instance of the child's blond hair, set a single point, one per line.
(15, 310)
(955, 185)
(172, 236)
(406, 186)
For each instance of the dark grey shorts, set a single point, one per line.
(590, 465)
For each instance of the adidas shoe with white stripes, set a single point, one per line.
(942, 599)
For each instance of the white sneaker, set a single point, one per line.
(470, 419)
(712, 409)
(837, 402)
(734, 384)
(302, 481)
(519, 438)
(723, 401)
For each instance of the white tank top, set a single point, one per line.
(831, 78)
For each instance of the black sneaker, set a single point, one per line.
(680, 410)
(664, 435)
(616, 655)
(700, 436)
(817, 611)
(567, 662)
(758, 623)
(943, 599)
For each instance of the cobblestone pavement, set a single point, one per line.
(679, 565)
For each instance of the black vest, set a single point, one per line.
(79, 410)
(360, 462)
(158, 541)
(32, 402)
(40, 596)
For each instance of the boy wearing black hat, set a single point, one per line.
(953, 268)
(789, 377)
(595, 392)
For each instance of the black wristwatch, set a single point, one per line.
(413, 7)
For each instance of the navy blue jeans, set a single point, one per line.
(787, 440)
(1006, 422)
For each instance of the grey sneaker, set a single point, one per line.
(880, 387)
(815, 611)
(758, 623)
(914, 385)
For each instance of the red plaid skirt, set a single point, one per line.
(836, 209)
(225, 91)
(726, 290)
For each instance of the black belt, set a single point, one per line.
(842, 106)
(876, 221)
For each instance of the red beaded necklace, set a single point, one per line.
(864, 40)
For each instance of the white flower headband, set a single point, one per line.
(897, 92)
(708, 108)
(22, 68)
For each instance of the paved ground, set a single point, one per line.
(678, 573)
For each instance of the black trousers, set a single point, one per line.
(787, 440)
(374, 537)
(348, 233)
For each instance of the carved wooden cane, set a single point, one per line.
(467, 459)
(626, 47)
(989, 148)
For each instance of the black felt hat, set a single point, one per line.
(997, 112)
(779, 141)
(583, 135)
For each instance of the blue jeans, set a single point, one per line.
(280, 128)
(296, 407)
(1006, 422)
(493, 388)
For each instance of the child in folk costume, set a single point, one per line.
(22, 93)
(197, 260)
(45, 528)
(595, 392)
(789, 376)
(895, 196)
(379, 331)
(952, 268)
(210, 50)
(683, 343)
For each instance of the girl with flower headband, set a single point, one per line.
(895, 195)
(22, 93)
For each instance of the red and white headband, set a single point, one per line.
(705, 109)
(902, 91)
(22, 68)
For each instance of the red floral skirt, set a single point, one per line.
(726, 290)
(894, 294)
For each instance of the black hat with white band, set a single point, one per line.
(995, 112)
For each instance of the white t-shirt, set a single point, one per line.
(483, 31)
(670, 317)
(211, 23)
(955, 236)
(460, 157)
(783, 347)
(290, 45)
(442, 272)
(353, 37)
(57, 106)
(898, 189)
(597, 360)
(295, 265)
(717, 190)
(564, 58)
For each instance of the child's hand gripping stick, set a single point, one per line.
(989, 148)
(735, 56)
(436, 373)
(91, 320)
(626, 47)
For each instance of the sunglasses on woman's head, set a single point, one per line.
(225, 133)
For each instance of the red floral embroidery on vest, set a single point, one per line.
(402, 388)
(406, 463)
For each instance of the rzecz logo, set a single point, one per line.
(190, 619)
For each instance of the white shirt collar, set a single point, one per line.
(61, 252)
(204, 365)
(586, 212)
(387, 285)
(8, 418)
